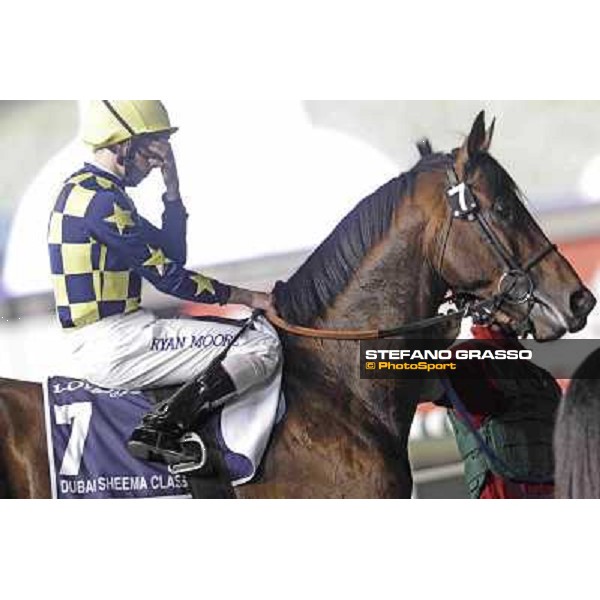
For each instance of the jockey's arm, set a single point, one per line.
(113, 221)
(173, 235)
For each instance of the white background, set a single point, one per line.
(299, 549)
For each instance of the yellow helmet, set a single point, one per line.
(109, 122)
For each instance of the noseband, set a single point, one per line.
(515, 286)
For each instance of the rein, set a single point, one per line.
(463, 205)
(363, 334)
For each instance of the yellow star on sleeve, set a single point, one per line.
(121, 218)
(157, 259)
(202, 284)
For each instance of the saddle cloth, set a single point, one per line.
(88, 426)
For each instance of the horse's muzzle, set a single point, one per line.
(552, 322)
(582, 303)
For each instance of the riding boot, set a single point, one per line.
(159, 436)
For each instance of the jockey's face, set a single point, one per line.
(143, 155)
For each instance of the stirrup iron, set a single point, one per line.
(193, 464)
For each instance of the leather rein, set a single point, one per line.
(464, 205)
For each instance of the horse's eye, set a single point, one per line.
(502, 210)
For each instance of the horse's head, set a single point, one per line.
(485, 245)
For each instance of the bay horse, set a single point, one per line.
(392, 260)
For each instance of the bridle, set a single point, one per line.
(515, 286)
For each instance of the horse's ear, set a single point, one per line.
(476, 138)
(488, 137)
(424, 147)
(474, 143)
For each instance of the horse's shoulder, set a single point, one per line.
(19, 401)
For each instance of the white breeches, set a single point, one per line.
(140, 350)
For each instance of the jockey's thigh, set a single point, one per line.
(167, 352)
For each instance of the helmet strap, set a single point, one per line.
(133, 176)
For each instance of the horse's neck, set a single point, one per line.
(394, 285)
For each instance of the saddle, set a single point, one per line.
(88, 428)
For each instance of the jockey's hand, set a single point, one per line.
(251, 298)
(262, 300)
(161, 155)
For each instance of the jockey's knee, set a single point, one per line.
(254, 362)
(268, 349)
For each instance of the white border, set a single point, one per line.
(304, 549)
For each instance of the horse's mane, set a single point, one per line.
(330, 267)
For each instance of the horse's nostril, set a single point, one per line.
(582, 302)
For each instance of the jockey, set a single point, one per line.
(101, 247)
(513, 408)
